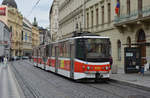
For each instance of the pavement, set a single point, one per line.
(8, 85)
(133, 79)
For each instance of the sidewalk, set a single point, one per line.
(8, 87)
(133, 79)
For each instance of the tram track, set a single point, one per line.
(109, 83)
(43, 77)
(60, 83)
(25, 85)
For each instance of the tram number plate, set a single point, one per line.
(97, 68)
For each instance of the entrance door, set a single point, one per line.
(142, 39)
(132, 59)
(72, 60)
(56, 59)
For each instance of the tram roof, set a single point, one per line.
(78, 37)
(94, 37)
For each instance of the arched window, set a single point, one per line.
(11, 29)
(119, 49)
(129, 41)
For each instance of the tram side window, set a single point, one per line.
(53, 51)
(48, 51)
(42, 51)
(80, 49)
(35, 52)
(61, 49)
(67, 49)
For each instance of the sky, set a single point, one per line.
(41, 11)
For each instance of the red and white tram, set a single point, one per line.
(77, 57)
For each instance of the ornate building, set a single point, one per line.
(27, 38)
(35, 34)
(126, 22)
(14, 20)
(53, 17)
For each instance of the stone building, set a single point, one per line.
(35, 34)
(71, 16)
(53, 17)
(14, 20)
(27, 37)
(129, 27)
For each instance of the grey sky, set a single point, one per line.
(41, 11)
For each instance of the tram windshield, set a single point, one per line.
(93, 50)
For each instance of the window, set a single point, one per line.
(109, 12)
(129, 41)
(11, 29)
(87, 20)
(48, 50)
(119, 50)
(80, 49)
(128, 7)
(22, 35)
(92, 18)
(102, 14)
(97, 14)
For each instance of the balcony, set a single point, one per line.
(134, 17)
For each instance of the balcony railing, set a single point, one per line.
(133, 15)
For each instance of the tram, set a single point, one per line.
(79, 57)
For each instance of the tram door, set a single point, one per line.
(56, 59)
(72, 52)
(132, 59)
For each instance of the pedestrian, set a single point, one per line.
(111, 61)
(142, 70)
(5, 61)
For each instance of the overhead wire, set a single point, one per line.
(33, 7)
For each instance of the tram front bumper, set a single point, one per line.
(97, 74)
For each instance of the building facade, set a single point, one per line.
(54, 22)
(27, 38)
(127, 26)
(71, 16)
(14, 20)
(35, 34)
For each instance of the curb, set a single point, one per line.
(130, 84)
(17, 84)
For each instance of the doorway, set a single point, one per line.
(141, 38)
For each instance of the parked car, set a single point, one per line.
(25, 57)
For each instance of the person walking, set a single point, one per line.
(5, 61)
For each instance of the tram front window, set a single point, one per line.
(93, 50)
(97, 50)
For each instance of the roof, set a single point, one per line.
(11, 3)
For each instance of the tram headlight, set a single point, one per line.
(106, 67)
(88, 68)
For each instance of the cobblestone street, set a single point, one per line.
(37, 83)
